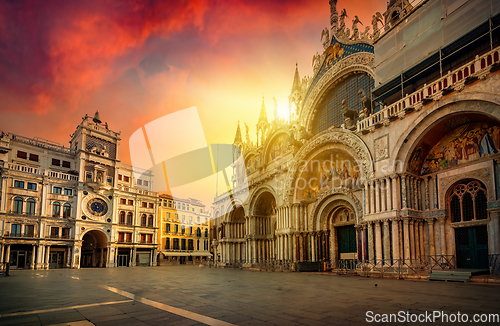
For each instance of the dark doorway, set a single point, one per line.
(472, 247)
(347, 239)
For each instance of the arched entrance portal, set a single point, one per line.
(234, 240)
(468, 216)
(94, 249)
(262, 228)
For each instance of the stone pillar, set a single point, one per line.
(442, 220)
(395, 192)
(333, 247)
(494, 230)
(378, 242)
(426, 194)
(412, 239)
(372, 197)
(417, 241)
(395, 239)
(294, 247)
(421, 237)
(33, 257)
(383, 193)
(387, 242)
(101, 260)
(2, 248)
(7, 254)
(371, 248)
(388, 193)
(377, 196)
(432, 243)
(409, 191)
(434, 195)
(406, 240)
(366, 192)
(404, 202)
(47, 257)
(313, 246)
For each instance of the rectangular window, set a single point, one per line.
(121, 237)
(190, 230)
(110, 180)
(57, 190)
(150, 238)
(144, 204)
(167, 227)
(143, 238)
(183, 218)
(65, 233)
(68, 192)
(190, 220)
(150, 221)
(167, 243)
(88, 175)
(151, 205)
(19, 184)
(66, 164)
(146, 183)
(31, 186)
(123, 201)
(169, 203)
(183, 229)
(120, 177)
(139, 182)
(29, 231)
(34, 157)
(130, 202)
(197, 219)
(22, 154)
(176, 228)
(15, 230)
(54, 232)
(56, 162)
(130, 217)
(126, 179)
(129, 237)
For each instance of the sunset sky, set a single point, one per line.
(136, 61)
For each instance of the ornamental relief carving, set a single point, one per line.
(357, 149)
(362, 61)
(315, 211)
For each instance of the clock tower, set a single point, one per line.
(96, 157)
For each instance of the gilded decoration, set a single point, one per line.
(356, 149)
(358, 62)
(278, 147)
(462, 145)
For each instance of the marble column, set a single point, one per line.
(426, 194)
(395, 239)
(494, 230)
(395, 187)
(389, 194)
(421, 237)
(378, 242)
(387, 242)
(7, 254)
(372, 197)
(442, 220)
(377, 196)
(313, 247)
(432, 243)
(366, 192)
(417, 241)
(404, 202)
(33, 255)
(383, 192)
(371, 249)
(406, 240)
(333, 246)
(2, 248)
(434, 195)
(47, 256)
(412, 239)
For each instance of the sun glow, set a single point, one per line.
(283, 111)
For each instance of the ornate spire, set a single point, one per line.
(263, 114)
(237, 137)
(334, 16)
(296, 80)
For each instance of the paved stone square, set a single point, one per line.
(190, 295)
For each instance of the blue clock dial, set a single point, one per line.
(97, 207)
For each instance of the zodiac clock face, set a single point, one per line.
(96, 207)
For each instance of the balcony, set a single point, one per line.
(453, 81)
(60, 175)
(18, 235)
(23, 168)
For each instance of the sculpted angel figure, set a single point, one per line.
(325, 33)
(375, 19)
(355, 31)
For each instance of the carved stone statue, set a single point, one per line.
(375, 19)
(247, 135)
(355, 31)
(366, 103)
(343, 15)
(325, 34)
(350, 116)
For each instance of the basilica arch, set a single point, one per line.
(94, 249)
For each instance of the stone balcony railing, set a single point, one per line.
(454, 81)
(137, 191)
(60, 175)
(23, 168)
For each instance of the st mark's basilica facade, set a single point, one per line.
(391, 158)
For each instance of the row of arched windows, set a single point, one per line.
(128, 218)
(31, 205)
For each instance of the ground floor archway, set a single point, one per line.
(94, 249)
